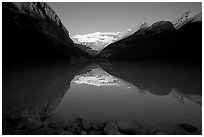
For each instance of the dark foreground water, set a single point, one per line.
(159, 95)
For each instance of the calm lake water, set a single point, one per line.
(150, 92)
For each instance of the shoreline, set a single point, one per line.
(16, 125)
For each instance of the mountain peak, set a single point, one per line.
(98, 40)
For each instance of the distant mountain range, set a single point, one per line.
(99, 40)
(32, 30)
(94, 43)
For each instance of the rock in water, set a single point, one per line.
(125, 126)
(86, 124)
(110, 121)
(97, 124)
(83, 132)
(139, 129)
(185, 129)
(189, 128)
(110, 127)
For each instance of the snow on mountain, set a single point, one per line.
(98, 40)
(182, 19)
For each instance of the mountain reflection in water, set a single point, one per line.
(98, 77)
(95, 94)
(149, 93)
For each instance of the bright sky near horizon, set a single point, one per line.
(89, 17)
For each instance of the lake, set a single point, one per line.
(152, 93)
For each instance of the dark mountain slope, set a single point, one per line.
(32, 31)
(161, 41)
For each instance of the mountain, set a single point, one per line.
(93, 53)
(33, 31)
(160, 41)
(186, 18)
(180, 21)
(96, 41)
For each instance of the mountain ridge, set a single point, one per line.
(37, 33)
(160, 41)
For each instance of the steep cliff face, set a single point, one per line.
(160, 41)
(34, 31)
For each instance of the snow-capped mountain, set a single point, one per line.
(99, 40)
(96, 41)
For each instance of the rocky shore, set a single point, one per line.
(16, 125)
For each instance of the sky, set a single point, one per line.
(90, 17)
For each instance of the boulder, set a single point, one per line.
(189, 128)
(97, 124)
(125, 126)
(110, 127)
(139, 129)
(185, 129)
(86, 124)
(110, 121)
(83, 132)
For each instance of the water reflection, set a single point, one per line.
(146, 92)
(96, 94)
(35, 89)
(96, 76)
